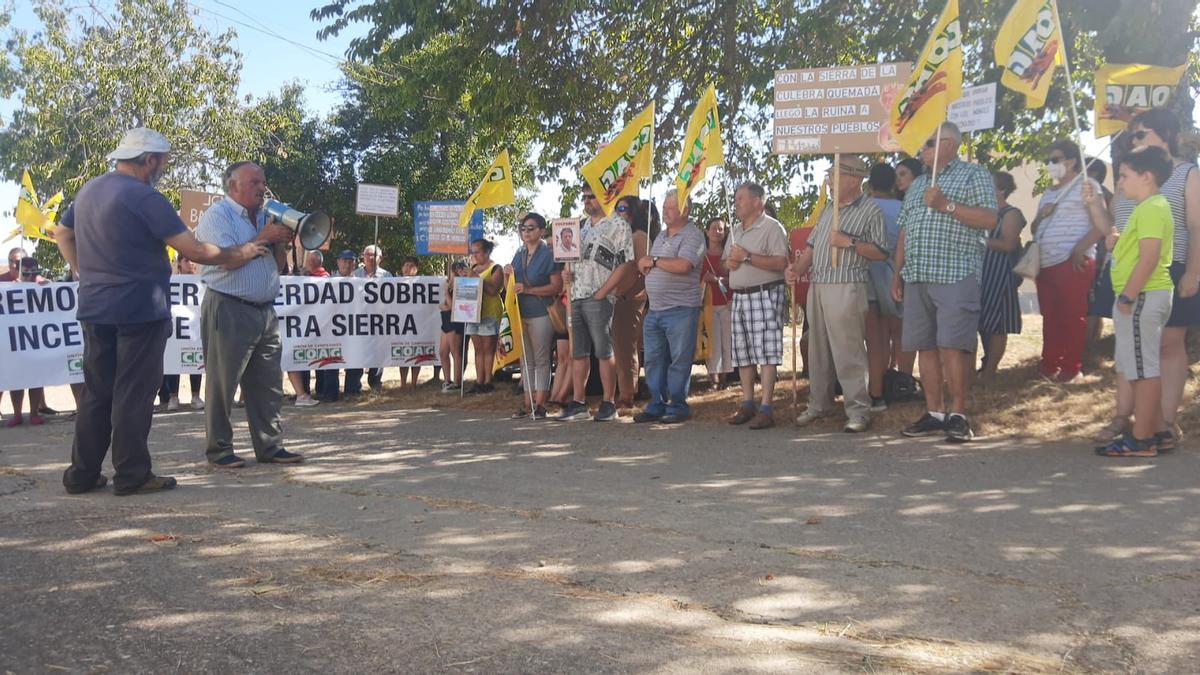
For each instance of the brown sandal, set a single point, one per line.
(1115, 429)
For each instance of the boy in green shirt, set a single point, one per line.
(1142, 281)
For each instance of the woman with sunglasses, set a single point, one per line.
(1067, 233)
(537, 281)
(29, 272)
(485, 333)
(631, 301)
(1160, 127)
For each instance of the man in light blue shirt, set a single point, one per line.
(238, 323)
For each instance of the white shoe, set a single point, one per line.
(173, 404)
(449, 387)
(305, 401)
(808, 417)
(197, 403)
(856, 425)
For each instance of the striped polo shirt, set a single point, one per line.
(862, 219)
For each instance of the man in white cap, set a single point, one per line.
(115, 236)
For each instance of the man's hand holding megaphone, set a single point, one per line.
(275, 232)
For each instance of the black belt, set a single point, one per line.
(757, 289)
(255, 305)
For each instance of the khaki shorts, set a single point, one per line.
(1139, 335)
(944, 316)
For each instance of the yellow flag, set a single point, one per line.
(495, 190)
(935, 83)
(36, 219)
(702, 146)
(620, 165)
(1123, 91)
(822, 199)
(509, 346)
(1028, 48)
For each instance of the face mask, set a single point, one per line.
(1056, 171)
(159, 171)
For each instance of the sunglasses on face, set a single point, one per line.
(588, 197)
(1140, 135)
(1054, 160)
(622, 209)
(529, 228)
(931, 142)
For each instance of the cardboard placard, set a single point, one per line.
(821, 111)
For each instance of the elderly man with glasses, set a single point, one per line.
(938, 260)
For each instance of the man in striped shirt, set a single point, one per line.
(238, 323)
(837, 298)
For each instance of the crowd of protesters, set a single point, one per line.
(914, 273)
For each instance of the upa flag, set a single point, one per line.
(35, 219)
(495, 190)
(508, 347)
(702, 146)
(1123, 91)
(1028, 48)
(935, 83)
(620, 165)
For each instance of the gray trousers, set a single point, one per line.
(837, 348)
(241, 344)
(539, 341)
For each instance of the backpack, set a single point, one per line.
(899, 387)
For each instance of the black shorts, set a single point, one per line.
(1184, 311)
(449, 326)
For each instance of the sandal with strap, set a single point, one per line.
(1115, 429)
(1128, 446)
(1168, 439)
(520, 414)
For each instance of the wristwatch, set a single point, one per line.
(951, 207)
(654, 261)
(747, 259)
(1123, 299)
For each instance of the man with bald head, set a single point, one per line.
(238, 323)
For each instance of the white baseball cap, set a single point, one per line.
(138, 141)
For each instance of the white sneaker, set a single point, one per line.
(449, 387)
(173, 404)
(305, 401)
(808, 417)
(856, 425)
(197, 403)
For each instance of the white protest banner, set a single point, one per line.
(326, 323)
(377, 200)
(840, 109)
(976, 110)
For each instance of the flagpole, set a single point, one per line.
(837, 201)
(1070, 86)
(937, 147)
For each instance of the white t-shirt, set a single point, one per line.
(1058, 234)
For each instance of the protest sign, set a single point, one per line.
(566, 239)
(325, 323)
(436, 230)
(377, 200)
(468, 299)
(976, 110)
(193, 204)
(831, 110)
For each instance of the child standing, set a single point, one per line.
(1141, 278)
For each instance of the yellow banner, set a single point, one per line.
(822, 199)
(935, 83)
(704, 329)
(702, 145)
(496, 189)
(1029, 48)
(620, 165)
(508, 347)
(1123, 91)
(35, 219)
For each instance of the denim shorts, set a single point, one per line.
(489, 325)
(591, 328)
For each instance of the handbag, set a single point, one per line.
(554, 309)
(1031, 261)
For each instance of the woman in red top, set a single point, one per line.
(720, 353)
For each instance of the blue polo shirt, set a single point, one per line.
(541, 266)
(121, 226)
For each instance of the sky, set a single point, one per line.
(272, 35)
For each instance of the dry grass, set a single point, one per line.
(1016, 403)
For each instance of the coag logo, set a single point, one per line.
(413, 354)
(318, 357)
(74, 365)
(192, 359)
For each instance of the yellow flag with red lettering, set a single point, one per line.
(619, 166)
(511, 341)
(702, 146)
(936, 82)
(1029, 47)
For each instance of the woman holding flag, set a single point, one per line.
(537, 281)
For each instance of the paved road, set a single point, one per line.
(433, 541)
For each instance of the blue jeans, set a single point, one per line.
(669, 338)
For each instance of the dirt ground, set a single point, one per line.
(421, 539)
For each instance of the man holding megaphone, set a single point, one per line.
(238, 322)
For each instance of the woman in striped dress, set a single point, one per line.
(1160, 127)
(1000, 309)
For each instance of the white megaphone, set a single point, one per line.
(312, 228)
